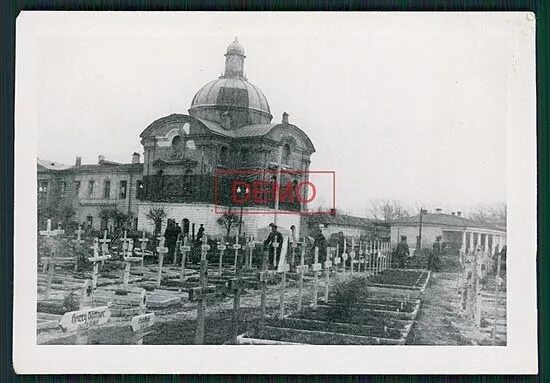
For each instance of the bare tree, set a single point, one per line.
(227, 220)
(156, 215)
(489, 214)
(387, 211)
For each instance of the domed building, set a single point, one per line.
(190, 160)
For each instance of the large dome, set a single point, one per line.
(231, 92)
(231, 100)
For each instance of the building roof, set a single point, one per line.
(444, 220)
(340, 220)
(231, 92)
(105, 167)
(52, 165)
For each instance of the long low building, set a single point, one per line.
(455, 231)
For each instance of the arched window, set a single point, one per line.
(176, 141)
(286, 152)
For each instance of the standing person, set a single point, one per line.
(200, 233)
(171, 236)
(433, 260)
(268, 243)
(321, 243)
(402, 252)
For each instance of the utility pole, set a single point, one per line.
(419, 244)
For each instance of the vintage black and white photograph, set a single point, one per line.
(276, 179)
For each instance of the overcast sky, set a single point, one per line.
(401, 107)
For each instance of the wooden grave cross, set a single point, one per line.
(79, 241)
(285, 267)
(161, 250)
(236, 246)
(236, 286)
(185, 249)
(328, 265)
(251, 246)
(301, 270)
(95, 260)
(201, 292)
(221, 249)
(143, 247)
(49, 234)
(337, 258)
(104, 243)
(128, 260)
(352, 255)
(316, 267)
(275, 246)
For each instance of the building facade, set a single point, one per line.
(455, 231)
(192, 162)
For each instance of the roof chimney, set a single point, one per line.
(459, 213)
(135, 158)
(100, 159)
(285, 118)
(438, 210)
(453, 213)
(78, 161)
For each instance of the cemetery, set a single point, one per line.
(128, 290)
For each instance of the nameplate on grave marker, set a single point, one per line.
(205, 247)
(186, 248)
(302, 269)
(222, 247)
(285, 267)
(337, 260)
(236, 246)
(84, 319)
(141, 322)
(316, 267)
(328, 264)
(345, 257)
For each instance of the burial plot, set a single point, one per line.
(400, 282)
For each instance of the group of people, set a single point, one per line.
(174, 233)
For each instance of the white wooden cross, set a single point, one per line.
(104, 243)
(78, 233)
(142, 247)
(275, 245)
(49, 234)
(251, 246)
(95, 260)
(59, 230)
(284, 269)
(185, 248)
(199, 333)
(352, 254)
(337, 258)
(236, 246)
(221, 249)
(301, 270)
(316, 267)
(344, 254)
(328, 265)
(128, 259)
(161, 249)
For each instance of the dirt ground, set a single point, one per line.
(439, 321)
